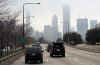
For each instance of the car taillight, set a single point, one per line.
(51, 49)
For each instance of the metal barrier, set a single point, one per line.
(11, 54)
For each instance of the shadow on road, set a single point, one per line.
(57, 57)
(34, 63)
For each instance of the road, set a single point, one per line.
(73, 57)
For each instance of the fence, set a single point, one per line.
(9, 54)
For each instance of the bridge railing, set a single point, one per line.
(7, 55)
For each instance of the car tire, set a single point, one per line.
(26, 61)
(63, 55)
(51, 55)
(41, 60)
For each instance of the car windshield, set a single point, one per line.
(35, 49)
(58, 45)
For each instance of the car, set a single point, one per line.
(57, 49)
(33, 54)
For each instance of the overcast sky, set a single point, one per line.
(43, 13)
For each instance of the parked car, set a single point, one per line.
(34, 54)
(57, 49)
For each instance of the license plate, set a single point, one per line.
(58, 49)
(33, 54)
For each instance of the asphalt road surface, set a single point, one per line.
(73, 57)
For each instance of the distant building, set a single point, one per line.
(82, 26)
(55, 27)
(93, 23)
(28, 19)
(59, 35)
(97, 25)
(66, 19)
(48, 33)
(51, 32)
(37, 34)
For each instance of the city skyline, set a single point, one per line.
(82, 27)
(66, 19)
(93, 23)
(48, 8)
(51, 33)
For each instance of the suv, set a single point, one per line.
(57, 49)
(34, 54)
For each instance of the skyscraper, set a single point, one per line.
(98, 25)
(51, 32)
(82, 26)
(93, 23)
(55, 27)
(66, 19)
(48, 33)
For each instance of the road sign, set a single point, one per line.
(22, 41)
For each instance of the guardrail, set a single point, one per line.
(11, 54)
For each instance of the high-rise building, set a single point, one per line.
(51, 32)
(93, 23)
(55, 27)
(37, 35)
(98, 25)
(66, 19)
(82, 26)
(48, 33)
(59, 35)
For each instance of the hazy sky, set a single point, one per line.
(43, 13)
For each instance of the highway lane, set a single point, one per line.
(81, 57)
(73, 57)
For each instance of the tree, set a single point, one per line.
(8, 31)
(3, 7)
(93, 36)
(73, 38)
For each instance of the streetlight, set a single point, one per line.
(68, 34)
(23, 19)
(23, 15)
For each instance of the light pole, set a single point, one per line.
(23, 16)
(68, 35)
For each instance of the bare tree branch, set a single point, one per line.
(3, 6)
